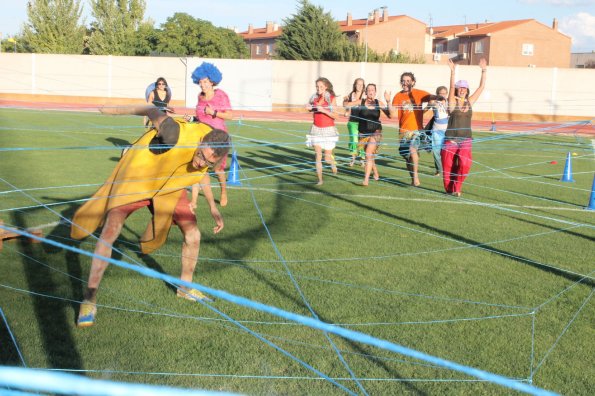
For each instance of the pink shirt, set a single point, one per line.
(219, 102)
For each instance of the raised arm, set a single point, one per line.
(390, 111)
(156, 115)
(451, 92)
(384, 107)
(482, 82)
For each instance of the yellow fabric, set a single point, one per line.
(142, 175)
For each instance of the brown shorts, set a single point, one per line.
(182, 213)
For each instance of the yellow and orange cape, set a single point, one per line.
(142, 175)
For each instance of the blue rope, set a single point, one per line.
(564, 331)
(532, 361)
(265, 377)
(307, 321)
(14, 341)
(578, 282)
(299, 290)
(64, 383)
(271, 344)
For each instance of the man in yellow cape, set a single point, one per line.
(154, 173)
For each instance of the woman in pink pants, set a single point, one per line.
(456, 151)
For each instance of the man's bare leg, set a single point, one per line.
(190, 249)
(414, 163)
(110, 232)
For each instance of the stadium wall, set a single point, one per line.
(512, 93)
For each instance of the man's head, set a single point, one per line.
(213, 148)
(407, 81)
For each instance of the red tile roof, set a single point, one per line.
(357, 24)
(494, 27)
(261, 33)
(453, 30)
(361, 23)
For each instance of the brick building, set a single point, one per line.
(262, 41)
(381, 32)
(525, 43)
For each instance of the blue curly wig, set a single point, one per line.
(207, 70)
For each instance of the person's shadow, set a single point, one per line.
(54, 325)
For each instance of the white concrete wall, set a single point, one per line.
(263, 84)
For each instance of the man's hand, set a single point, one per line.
(218, 219)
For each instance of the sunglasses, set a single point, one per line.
(160, 83)
(200, 155)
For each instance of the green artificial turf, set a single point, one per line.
(499, 279)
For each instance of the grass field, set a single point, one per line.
(500, 279)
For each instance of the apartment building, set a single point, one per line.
(379, 31)
(262, 41)
(525, 43)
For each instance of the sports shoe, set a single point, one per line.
(87, 313)
(193, 295)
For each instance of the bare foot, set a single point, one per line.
(416, 183)
(334, 169)
(352, 162)
(437, 174)
(223, 200)
(319, 183)
(376, 176)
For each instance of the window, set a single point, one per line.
(269, 49)
(258, 49)
(527, 49)
(439, 48)
(464, 48)
(479, 47)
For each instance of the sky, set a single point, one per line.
(576, 17)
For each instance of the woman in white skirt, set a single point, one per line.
(323, 134)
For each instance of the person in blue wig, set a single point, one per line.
(213, 108)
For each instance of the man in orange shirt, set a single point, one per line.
(407, 107)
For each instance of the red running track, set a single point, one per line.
(583, 128)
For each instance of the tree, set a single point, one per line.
(116, 23)
(184, 35)
(53, 27)
(146, 39)
(311, 34)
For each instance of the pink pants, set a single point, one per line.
(456, 163)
